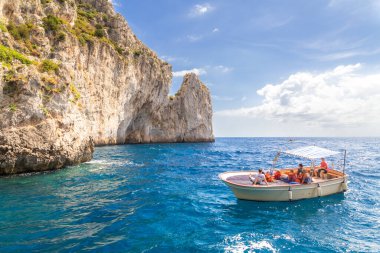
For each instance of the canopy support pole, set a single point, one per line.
(344, 161)
(312, 168)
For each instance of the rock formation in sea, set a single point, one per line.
(73, 75)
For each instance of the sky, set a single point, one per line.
(275, 67)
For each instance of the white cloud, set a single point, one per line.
(194, 38)
(200, 10)
(198, 37)
(346, 54)
(329, 48)
(329, 42)
(172, 59)
(168, 58)
(339, 97)
(219, 69)
(223, 69)
(197, 71)
(115, 3)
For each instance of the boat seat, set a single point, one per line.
(332, 174)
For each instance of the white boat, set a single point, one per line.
(335, 182)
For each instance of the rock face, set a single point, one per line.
(73, 75)
(185, 118)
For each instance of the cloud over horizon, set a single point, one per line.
(200, 9)
(338, 97)
(197, 71)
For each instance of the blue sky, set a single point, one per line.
(274, 68)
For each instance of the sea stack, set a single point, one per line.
(73, 75)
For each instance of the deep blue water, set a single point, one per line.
(168, 198)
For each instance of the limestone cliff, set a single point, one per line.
(73, 75)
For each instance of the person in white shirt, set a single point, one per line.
(259, 179)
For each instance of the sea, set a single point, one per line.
(168, 198)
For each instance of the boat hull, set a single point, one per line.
(288, 192)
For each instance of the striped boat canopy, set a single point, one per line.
(311, 152)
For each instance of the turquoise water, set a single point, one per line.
(168, 198)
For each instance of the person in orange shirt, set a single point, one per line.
(292, 177)
(277, 175)
(268, 177)
(324, 168)
(300, 176)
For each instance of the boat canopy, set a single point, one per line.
(311, 152)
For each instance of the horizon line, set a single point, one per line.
(295, 137)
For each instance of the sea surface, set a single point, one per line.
(168, 198)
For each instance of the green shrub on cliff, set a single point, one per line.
(12, 107)
(9, 76)
(83, 26)
(52, 23)
(21, 31)
(137, 53)
(8, 55)
(99, 33)
(44, 110)
(90, 27)
(85, 38)
(49, 66)
(87, 11)
(75, 92)
(61, 36)
(51, 80)
(3, 27)
(87, 14)
(119, 49)
(13, 82)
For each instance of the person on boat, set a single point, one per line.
(260, 178)
(306, 178)
(300, 177)
(277, 175)
(292, 177)
(300, 169)
(323, 169)
(299, 173)
(268, 177)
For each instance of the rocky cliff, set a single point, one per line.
(73, 75)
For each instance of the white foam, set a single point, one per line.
(105, 162)
(237, 244)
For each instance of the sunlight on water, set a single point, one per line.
(238, 244)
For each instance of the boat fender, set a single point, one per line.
(319, 189)
(344, 186)
(290, 193)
